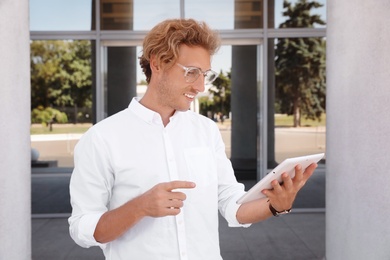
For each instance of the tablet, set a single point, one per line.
(287, 166)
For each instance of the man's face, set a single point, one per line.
(174, 92)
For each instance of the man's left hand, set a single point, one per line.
(282, 196)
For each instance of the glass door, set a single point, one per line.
(232, 101)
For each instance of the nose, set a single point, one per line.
(199, 84)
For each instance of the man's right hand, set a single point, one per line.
(163, 199)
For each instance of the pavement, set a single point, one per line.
(299, 235)
(296, 236)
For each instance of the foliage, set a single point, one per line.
(48, 115)
(219, 99)
(206, 105)
(300, 66)
(61, 74)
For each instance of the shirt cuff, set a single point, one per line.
(87, 226)
(231, 213)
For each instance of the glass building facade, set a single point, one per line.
(114, 30)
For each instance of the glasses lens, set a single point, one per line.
(192, 74)
(210, 77)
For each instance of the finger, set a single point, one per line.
(309, 171)
(287, 181)
(176, 204)
(173, 211)
(172, 203)
(298, 172)
(177, 196)
(169, 186)
(276, 186)
(311, 168)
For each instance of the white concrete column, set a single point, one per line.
(358, 130)
(15, 168)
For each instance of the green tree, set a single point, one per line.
(47, 116)
(61, 75)
(221, 93)
(219, 99)
(300, 66)
(206, 106)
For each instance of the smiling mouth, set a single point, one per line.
(189, 95)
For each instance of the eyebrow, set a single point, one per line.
(194, 67)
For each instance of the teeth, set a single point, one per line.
(189, 96)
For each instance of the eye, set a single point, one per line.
(192, 72)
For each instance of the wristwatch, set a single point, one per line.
(278, 213)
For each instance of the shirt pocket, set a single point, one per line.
(202, 201)
(201, 166)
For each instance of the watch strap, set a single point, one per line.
(278, 213)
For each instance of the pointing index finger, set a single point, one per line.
(179, 185)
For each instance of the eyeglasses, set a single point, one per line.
(191, 74)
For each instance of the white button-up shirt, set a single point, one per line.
(128, 153)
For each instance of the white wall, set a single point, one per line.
(358, 130)
(15, 169)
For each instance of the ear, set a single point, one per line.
(154, 65)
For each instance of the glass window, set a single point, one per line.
(248, 14)
(276, 9)
(61, 99)
(300, 96)
(148, 13)
(120, 77)
(116, 15)
(215, 102)
(231, 14)
(50, 192)
(136, 14)
(60, 15)
(218, 14)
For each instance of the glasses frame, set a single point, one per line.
(190, 80)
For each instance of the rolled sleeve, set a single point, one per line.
(90, 189)
(229, 190)
(82, 230)
(231, 211)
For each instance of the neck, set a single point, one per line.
(149, 102)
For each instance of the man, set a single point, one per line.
(149, 180)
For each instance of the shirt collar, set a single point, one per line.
(144, 113)
(147, 115)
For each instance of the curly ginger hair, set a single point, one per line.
(164, 40)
